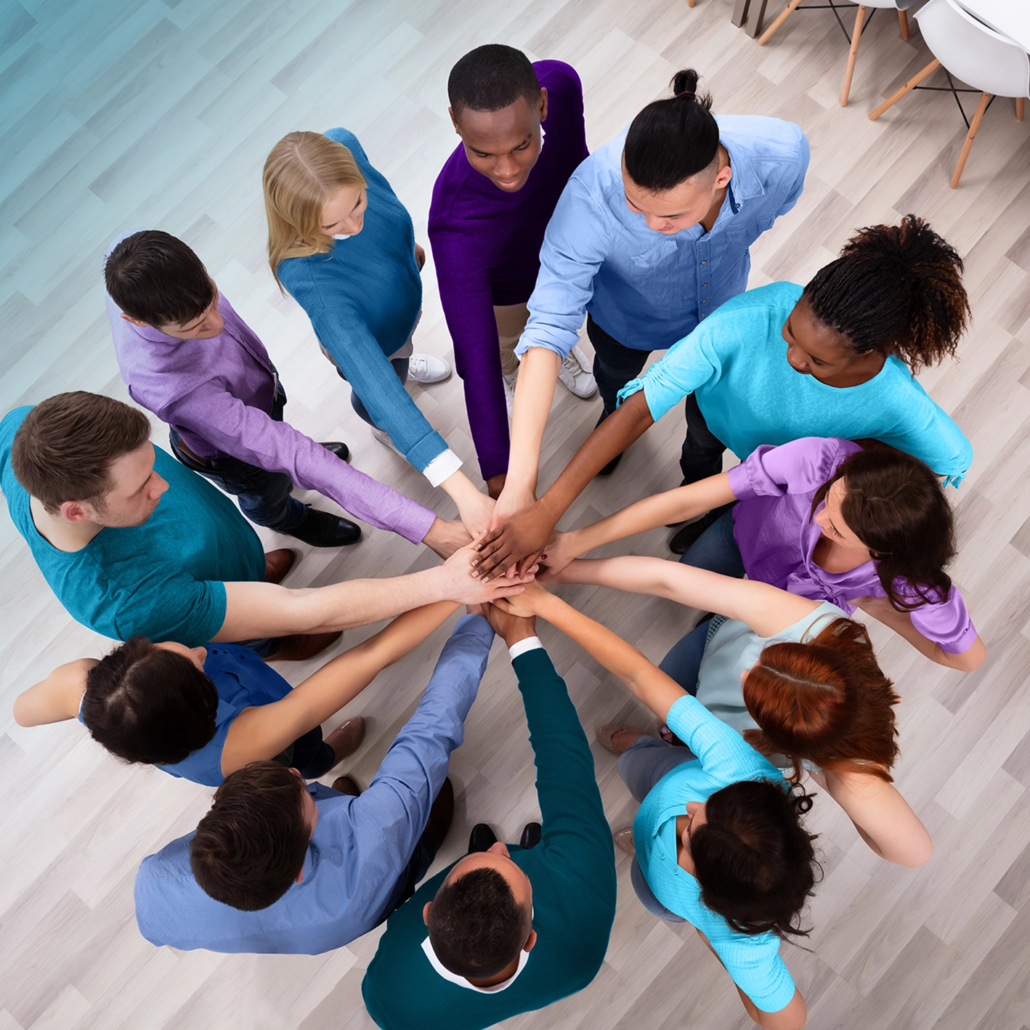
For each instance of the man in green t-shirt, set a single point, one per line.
(511, 928)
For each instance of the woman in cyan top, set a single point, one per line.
(862, 526)
(796, 676)
(344, 246)
(718, 838)
(202, 713)
(835, 358)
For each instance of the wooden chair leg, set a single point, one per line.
(985, 99)
(903, 21)
(856, 35)
(1020, 102)
(780, 19)
(907, 88)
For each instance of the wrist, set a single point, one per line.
(518, 634)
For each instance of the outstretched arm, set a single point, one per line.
(262, 731)
(56, 698)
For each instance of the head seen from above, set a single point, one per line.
(895, 290)
(88, 458)
(482, 915)
(497, 105)
(314, 191)
(250, 848)
(752, 857)
(674, 170)
(160, 282)
(150, 703)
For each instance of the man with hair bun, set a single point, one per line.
(522, 132)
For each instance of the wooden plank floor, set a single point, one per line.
(124, 113)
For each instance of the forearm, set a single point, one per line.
(901, 622)
(534, 392)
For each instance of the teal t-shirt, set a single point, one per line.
(735, 361)
(164, 579)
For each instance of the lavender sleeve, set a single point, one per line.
(947, 624)
(251, 435)
(798, 467)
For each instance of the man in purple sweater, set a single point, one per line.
(187, 356)
(522, 132)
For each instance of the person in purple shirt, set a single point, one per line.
(186, 355)
(522, 133)
(861, 525)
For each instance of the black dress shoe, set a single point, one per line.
(682, 540)
(321, 529)
(613, 464)
(481, 838)
(531, 836)
(341, 450)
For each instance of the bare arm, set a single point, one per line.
(766, 609)
(446, 537)
(525, 535)
(266, 610)
(901, 622)
(56, 698)
(261, 732)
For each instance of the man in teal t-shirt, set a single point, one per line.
(559, 907)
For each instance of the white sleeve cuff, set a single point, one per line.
(529, 644)
(442, 467)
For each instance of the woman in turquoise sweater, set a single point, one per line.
(718, 838)
(344, 246)
(835, 358)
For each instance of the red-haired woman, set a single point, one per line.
(797, 677)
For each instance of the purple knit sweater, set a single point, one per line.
(486, 245)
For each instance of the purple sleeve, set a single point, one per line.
(468, 308)
(252, 436)
(798, 467)
(947, 624)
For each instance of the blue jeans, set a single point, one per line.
(683, 661)
(716, 549)
(400, 366)
(641, 767)
(264, 497)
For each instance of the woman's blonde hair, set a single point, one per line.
(301, 172)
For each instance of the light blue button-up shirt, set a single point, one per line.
(356, 864)
(645, 289)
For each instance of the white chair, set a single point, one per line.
(901, 6)
(974, 53)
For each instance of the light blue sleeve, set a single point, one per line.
(755, 966)
(576, 243)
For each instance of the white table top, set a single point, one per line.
(1009, 17)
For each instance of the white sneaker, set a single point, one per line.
(428, 368)
(574, 376)
(384, 438)
(509, 392)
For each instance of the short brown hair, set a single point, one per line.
(249, 848)
(64, 448)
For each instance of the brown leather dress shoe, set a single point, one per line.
(624, 840)
(347, 737)
(345, 785)
(440, 816)
(302, 646)
(606, 735)
(278, 563)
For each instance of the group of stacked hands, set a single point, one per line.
(839, 503)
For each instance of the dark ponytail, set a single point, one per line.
(671, 140)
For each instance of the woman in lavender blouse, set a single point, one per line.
(861, 525)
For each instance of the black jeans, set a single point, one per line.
(309, 754)
(616, 365)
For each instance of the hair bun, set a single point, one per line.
(685, 82)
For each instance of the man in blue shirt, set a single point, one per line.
(651, 234)
(313, 868)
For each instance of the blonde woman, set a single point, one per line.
(344, 246)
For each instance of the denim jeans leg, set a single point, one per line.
(614, 364)
(647, 761)
(716, 549)
(684, 658)
(400, 366)
(702, 451)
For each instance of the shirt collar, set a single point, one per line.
(453, 978)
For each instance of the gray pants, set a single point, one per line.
(641, 767)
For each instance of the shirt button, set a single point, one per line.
(704, 284)
(704, 302)
(705, 262)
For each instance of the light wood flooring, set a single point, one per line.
(136, 113)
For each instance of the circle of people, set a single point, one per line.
(838, 503)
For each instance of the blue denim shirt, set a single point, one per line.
(357, 860)
(645, 289)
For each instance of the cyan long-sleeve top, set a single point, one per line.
(356, 865)
(572, 872)
(736, 364)
(363, 298)
(644, 288)
(486, 245)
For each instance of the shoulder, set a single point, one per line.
(348, 139)
(558, 78)
(445, 206)
(763, 138)
(603, 168)
(775, 300)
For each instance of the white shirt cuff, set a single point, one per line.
(529, 644)
(442, 467)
